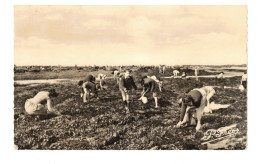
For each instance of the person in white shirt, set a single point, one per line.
(41, 103)
(116, 74)
(162, 68)
(244, 80)
(101, 77)
(175, 73)
(183, 76)
(220, 75)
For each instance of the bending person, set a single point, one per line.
(152, 85)
(175, 73)
(193, 105)
(41, 103)
(88, 86)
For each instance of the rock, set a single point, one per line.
(151, 143)
(169, 121)
(154, 148)
(112, 139)
(189, 145)
(91, 141)
(144, 140)
(35, 147)
(132, 147)
(164, 146)
(172, 147)
(92, 120)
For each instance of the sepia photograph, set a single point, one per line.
(130, 77)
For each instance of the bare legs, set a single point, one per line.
(126, 97)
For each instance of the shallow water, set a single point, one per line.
(50, 81)
(236, 70)
(226, 75)
(44, 81)
(214, 106)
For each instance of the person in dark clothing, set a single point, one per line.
(194, 104)
(155, 78)
(90, 78)
(126, 84)
(153, 85)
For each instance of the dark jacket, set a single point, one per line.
(150, 85)
(127, 83)
(193, 98)
(90, 78)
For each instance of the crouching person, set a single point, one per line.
(220, 75)
(41, 103)
(89, 78)
(126, 84)
(153, 85)
(193, 105)
(102, 83)
(88, 89)
(175, 73)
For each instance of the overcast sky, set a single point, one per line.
(119, 35)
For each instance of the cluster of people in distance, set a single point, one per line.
(184, 75)
(192, 103)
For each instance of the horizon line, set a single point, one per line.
(135, 65)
